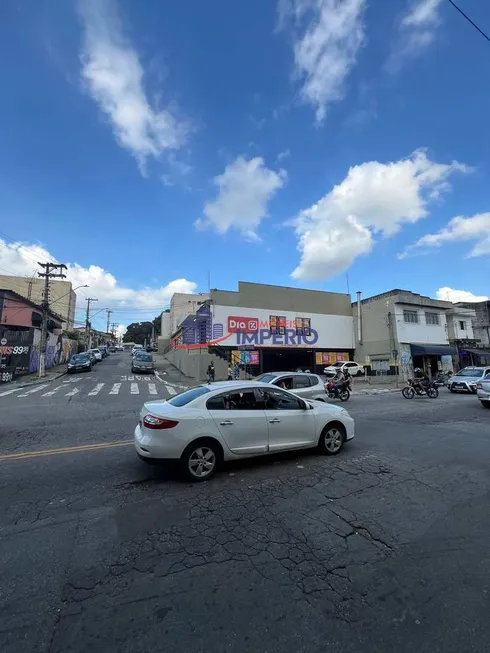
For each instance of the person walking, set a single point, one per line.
(211, 372)
(230, 373)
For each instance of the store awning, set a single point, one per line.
(478, 352)
(433, 350)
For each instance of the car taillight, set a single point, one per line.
(153, 422)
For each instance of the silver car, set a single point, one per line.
(483, 391)
(143, 362)
(467, 378)
(305, 385)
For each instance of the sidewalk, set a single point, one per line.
(364, 387)
(33, 379)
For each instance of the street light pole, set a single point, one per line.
(87, 321)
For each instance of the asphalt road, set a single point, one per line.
(382, 548)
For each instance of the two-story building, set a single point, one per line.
(400, 330)
(20, 336)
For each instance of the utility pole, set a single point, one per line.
(51, 271)
(109, 313)
(114, 326)
(87, 321)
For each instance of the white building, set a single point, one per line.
(399, 330)
(182, 305)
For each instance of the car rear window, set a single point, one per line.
(144, 357)
(188, 396)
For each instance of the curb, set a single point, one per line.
(376, 391)
(29, 383)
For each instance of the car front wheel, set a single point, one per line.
(200, 460)
(332, 439)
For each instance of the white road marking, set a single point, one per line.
(158, 377)
(72, 392)
(124, 378)
(170, 390)
(9, 392)
(115, 389)
(130, 378)
(96, 390)
(51, 392)
(152, 389)
(134, 389)
(30, 392)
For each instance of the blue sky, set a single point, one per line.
(147, 143)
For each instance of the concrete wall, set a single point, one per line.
(258, 295)
(165, 326)
(194, 363)
(377, 337)
(481, 321)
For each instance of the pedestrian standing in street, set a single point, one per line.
(211, 372)
(230, 373)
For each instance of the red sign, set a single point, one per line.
(242, 324)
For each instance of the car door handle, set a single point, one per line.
(226, 423)
(274, 421)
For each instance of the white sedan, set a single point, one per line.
(231, 420)
(354, 369)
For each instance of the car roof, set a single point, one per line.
(288, 373)
(233, 385)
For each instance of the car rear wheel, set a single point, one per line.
(485, 404)
(332, 439)
(201, 460)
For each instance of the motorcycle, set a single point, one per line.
(442, 379)
(417, 388)
(343, 390)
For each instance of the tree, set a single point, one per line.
(137, 332)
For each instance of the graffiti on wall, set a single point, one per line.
(59, 349)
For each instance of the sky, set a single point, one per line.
(159, 147)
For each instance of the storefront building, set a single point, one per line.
(398, 331)
(272, 328)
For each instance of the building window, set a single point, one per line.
(432, 318)
(462, 325)
(411, 316)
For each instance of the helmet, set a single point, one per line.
(417, 369)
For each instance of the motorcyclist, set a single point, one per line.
(421, 379)
(338, 381)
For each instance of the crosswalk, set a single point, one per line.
(85, 388)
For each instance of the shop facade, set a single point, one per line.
(265, 328)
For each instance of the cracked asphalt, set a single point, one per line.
(382, 548)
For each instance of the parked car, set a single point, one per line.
(112, 349)
(466, 379)
(103, 350)
(97, 353)
(483, 391)
(92, 356)
(142, 362)
(79, 363)
(354, 369)
(137, 348)
(307, 386)
(119, 348)
(230, 420)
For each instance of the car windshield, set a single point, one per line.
(79, 358)
(189, 395)
(471, 371)
(96, 351)
(144, 357)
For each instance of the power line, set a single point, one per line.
(19, 244)
(469, 20)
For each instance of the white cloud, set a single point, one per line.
(284, 154)
(20, 259)
(416, 31)
(113, 75)
(450, 295)
(476, 228)
(245, 189)
(327, 35)
(373, 198)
